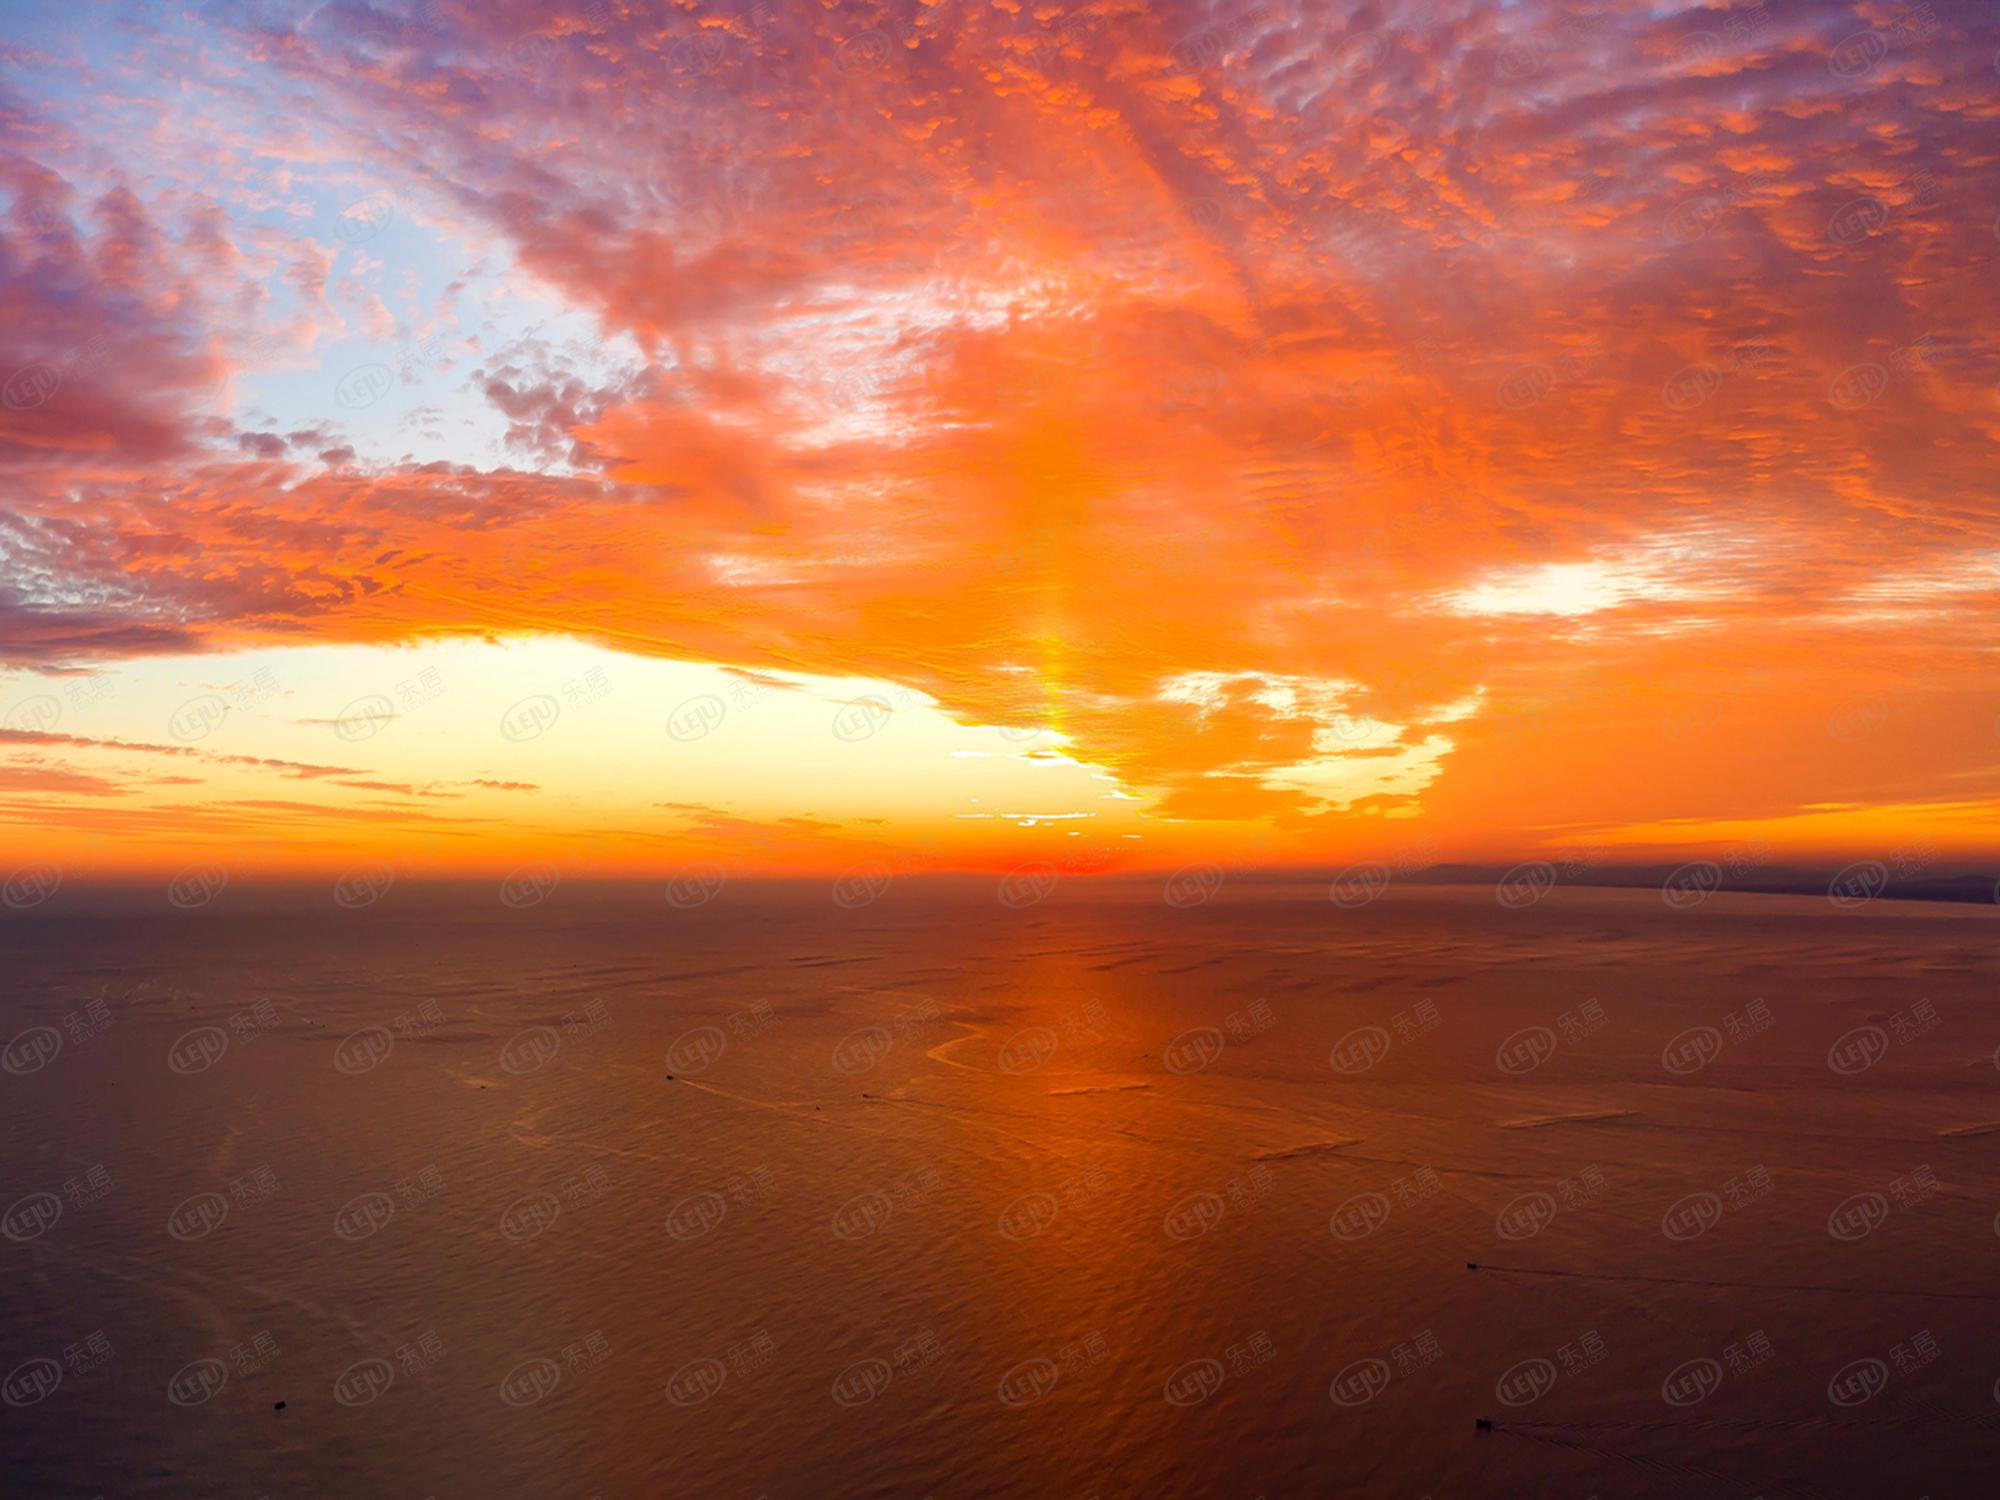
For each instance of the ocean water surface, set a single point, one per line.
(936, 1197)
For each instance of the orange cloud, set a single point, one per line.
(1494, 426)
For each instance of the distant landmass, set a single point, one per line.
(1855, 882)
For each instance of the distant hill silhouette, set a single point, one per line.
(1973, 888)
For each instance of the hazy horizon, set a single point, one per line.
(213, 888)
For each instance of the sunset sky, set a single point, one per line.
(806, 436)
